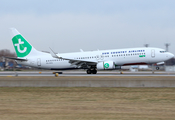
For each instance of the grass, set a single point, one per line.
(87, 103)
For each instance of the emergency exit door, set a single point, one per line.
(152, 53)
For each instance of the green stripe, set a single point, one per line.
(142, 55)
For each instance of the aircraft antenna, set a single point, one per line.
(146, 45)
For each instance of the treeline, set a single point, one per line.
(7, 53)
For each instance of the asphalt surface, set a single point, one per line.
(83, 73)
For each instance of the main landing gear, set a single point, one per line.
(92, 71)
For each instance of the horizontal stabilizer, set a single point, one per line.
(20, 59)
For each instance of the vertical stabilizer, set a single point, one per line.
(22, 47)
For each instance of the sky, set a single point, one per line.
(70, 25)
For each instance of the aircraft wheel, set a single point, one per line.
(94, 71)
(88, 71)
(157, 68)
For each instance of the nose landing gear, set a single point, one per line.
(157, 68)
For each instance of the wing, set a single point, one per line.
(80, 63)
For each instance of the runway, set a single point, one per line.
(81, 79)
(83, 73)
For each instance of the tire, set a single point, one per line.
(94, 71)
(88, 71)
(157, 68)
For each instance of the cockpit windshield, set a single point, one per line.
(162, 51)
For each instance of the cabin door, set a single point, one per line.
(39, 61)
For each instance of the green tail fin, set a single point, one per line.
(21, 45)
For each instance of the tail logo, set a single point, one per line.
(22, 47)
(18, 46)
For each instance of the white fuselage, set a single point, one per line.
(129, 56)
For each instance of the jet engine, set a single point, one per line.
(106, 65)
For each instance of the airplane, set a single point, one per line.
(90, 60)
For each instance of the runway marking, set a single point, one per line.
(118, 75)
(82, 73)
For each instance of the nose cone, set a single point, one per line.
(170, 55)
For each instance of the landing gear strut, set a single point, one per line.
(152, 68)
(92, 70)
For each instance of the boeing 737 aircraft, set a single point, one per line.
(91, 60)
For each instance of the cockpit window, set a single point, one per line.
(162, 51)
